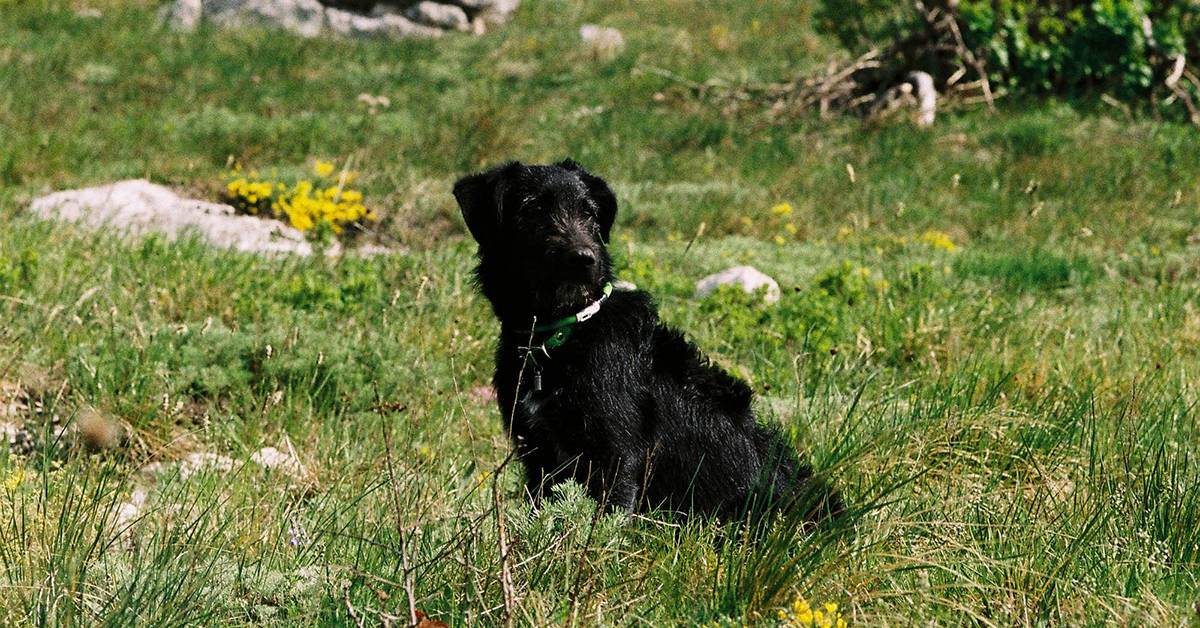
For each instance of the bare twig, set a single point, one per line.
(350, 608)
(973, 61)
(409, 585)
(506, 583)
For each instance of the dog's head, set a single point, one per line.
(541, 232)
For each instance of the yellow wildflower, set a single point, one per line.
(14, 480)
(938, 240)
(323, 168)
(304, 205)
(782, 209)
(779, 239)
(790, 228)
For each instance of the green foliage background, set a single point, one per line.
(1073, 47)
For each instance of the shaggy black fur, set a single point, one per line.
(626, 406)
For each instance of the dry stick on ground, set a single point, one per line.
(870, 83)
(1172, 83)
(350, 608)
(409, 585)
(965, 53)
(506, 585)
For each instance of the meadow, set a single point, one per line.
(989, 335)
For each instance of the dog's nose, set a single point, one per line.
(581, 258)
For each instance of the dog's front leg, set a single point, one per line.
(623, 485)
(541, 471)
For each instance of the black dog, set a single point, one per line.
(591, 385)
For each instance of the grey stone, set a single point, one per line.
(445, 16)
(138, 207)
(603, 43)
(312, 18)
(184, 15)
(748, 278)
(303, 17)
(498, 13)
(383, 22)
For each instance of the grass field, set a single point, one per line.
(989, 336)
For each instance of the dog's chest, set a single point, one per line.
(545, 416)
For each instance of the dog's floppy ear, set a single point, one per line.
(480, 197)
(605, 199)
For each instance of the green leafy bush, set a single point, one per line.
(1121, 47)
(1069, 45)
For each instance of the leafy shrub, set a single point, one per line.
(1058, 46)
(1067, 45)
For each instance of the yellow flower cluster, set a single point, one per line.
(777, 214)
(304, 204)
(938, 240)
(13, 480)
(799, 613)
(932, 238)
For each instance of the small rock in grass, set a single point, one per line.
(602, 43)
(497, 12)
(303, 17)
(139, 207)
(184, 15)
(202, 461)
(441, 15)
(383, 22)
(272, 458)
(748, 278)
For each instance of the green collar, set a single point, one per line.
(563, 326)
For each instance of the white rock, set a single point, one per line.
(139, 207)
(303, 17)
(184, 15)
(441, 15)
(748, 278)
(383, 22)
(272, 458)
(311, 18)
(603, 43)
(201, 461)
(128, 512)
(498, 12)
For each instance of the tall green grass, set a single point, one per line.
(1011, 420)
